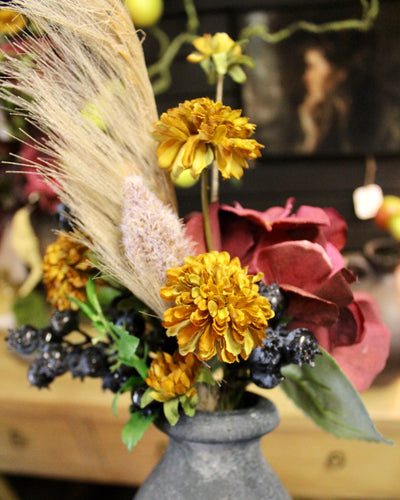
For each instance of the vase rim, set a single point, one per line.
(221, 426)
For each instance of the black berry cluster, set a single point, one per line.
(63, 218)
(148, 410)
(55, 354)
(276, 298)
(281, 347)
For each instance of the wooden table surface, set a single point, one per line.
(70, 432)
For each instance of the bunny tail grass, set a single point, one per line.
(89, 93)
(153, 239)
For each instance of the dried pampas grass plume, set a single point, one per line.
(89, 56)
(153, 240)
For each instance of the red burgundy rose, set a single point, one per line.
(301, 252)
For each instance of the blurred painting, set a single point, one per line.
(328, 93)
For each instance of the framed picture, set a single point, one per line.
(329, 93)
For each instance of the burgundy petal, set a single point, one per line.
(336, 231)
(308, 310)
(336, 289)
(299, 263)
(364, 360)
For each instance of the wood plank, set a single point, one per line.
(70, 432)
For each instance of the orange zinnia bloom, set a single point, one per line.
(218, 309)
(173, 376)
(65, 272)
(200, 131)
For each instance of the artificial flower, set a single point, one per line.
(11, 22)
(200, 131)
(217, 310)
(207, 45)
(173, 376)
(301, 252)
(219, 55)
(65, 272)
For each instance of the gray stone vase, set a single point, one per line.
(217, 455)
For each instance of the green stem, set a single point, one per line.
(161, 68)
(162, 39)
(206, 211)
(370, 12)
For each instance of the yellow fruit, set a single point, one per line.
(394, 227)
(145, 13)
(185, 180)
(389, 208)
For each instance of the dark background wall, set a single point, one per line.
(317, 179)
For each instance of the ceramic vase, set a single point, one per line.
(217, 455)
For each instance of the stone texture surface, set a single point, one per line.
(217, 455)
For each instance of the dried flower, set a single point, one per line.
(65, 272)
(195, 133)
(218, 308)
(11, 22)
(173, 376)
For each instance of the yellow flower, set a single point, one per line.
(173, 376)
(65, 272)
(195, 133)
(11, 22)
(208, 45)
(218, 309)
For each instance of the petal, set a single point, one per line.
(167, 152)
(299, 263)
(336, 231)
(337, 289)
(308, 309)
(363, 361)
(195, 57)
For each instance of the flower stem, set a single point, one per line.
(205, 210)
(214, 170)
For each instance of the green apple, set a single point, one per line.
(389, 208)
(184, 180)
(145, 13)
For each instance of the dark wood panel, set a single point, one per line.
(319, 181)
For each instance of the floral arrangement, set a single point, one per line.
(181, 315)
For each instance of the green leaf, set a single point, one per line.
(85, 308)
(134, 429)
(327, 396)
(189, 405)
(107, 294)
(205, 376)
(92, 296)
(221, 62)
(171, 410)
(237, 74)
(146, 398)
(138, 363)
(242, 59)
(127, 345)
(131, 382)
(31, 310)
